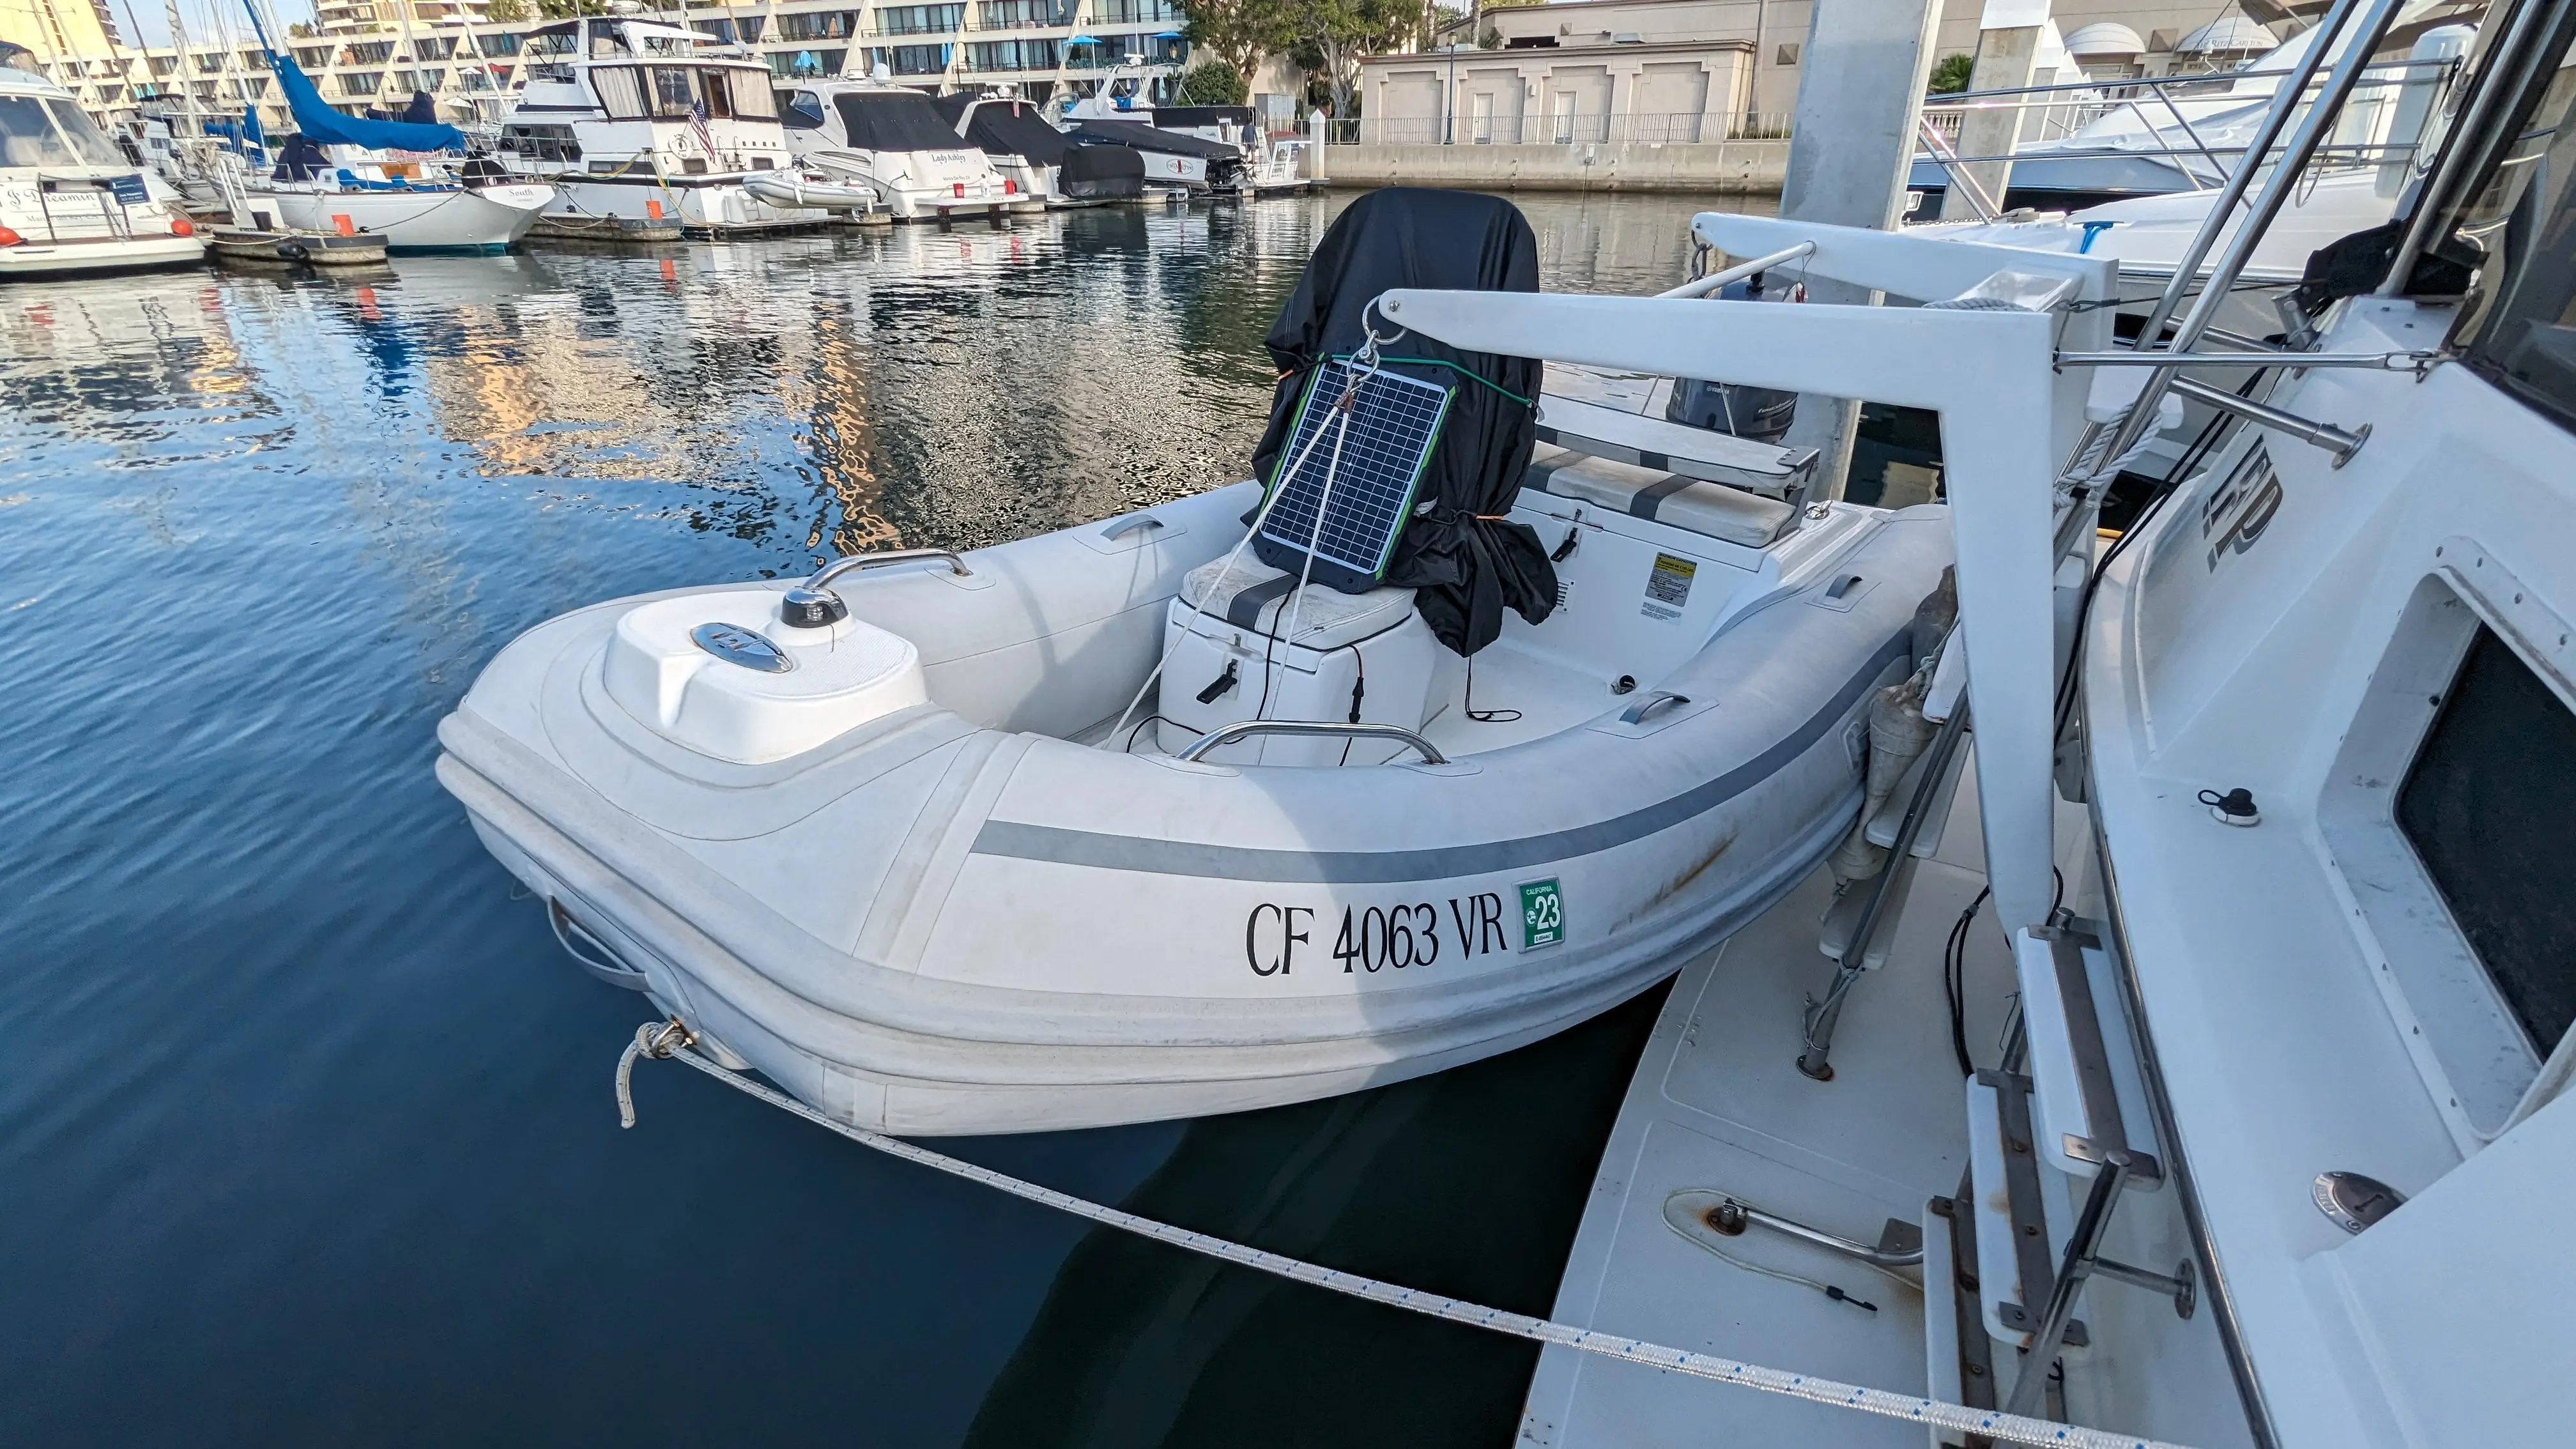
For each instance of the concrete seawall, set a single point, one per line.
(1723, 167)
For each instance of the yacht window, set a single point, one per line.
(608, 40)
(753, 100)
(672, 93)
(2490, 807)
(719, 96)
(87, 141)
(621, 91)
(28, 137)
(803, 112)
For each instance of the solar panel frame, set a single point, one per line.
(1395, 424)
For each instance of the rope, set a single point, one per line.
(670, 1041)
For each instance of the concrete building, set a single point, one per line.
(361, 54)
(1588, 71)
(54, 29)
(1665, 71)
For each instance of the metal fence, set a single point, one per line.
(1564, 128)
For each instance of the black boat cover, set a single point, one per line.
(1006, 127)
(894, 121)
(1153, 138)
(1466, 562)
(1101, 173)
(1185, 117)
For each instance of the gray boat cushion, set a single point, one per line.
(1687, 503)
(1254, 597)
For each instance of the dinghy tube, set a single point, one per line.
(903, 874)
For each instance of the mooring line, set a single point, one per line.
(670, 1041)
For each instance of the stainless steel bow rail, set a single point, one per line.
(670, 1041)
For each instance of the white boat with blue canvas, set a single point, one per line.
(407, 181)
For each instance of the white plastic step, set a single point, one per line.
(2088, 1096)
(2021, 1219)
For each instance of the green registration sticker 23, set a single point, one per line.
(1542, 914)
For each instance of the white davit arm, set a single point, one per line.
(1987, 374)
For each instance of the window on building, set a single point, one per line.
(1011, 55)
(361, 82)
(921, 19)
(1004, 14)
(918, 59)
(818, 25)
(373, 52)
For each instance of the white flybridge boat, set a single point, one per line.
(1121, 823)
(2197, 1071)
(644, 121)
(893, 145)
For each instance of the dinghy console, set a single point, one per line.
(753, 676)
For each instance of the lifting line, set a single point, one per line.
(670, 1041)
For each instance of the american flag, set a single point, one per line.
(698, 127)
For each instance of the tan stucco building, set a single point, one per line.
(1657, 71)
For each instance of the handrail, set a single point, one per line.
(2153, 82)
(1702, 286)
(2277, 187)
(812, 603)
(1233, 733)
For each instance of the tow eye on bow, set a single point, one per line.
(813, 605)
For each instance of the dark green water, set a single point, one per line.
(305, 1127)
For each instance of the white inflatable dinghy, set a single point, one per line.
(903, 838)
(793, 189)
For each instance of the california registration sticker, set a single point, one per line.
(1542, 915)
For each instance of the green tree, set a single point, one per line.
(1238, 32)
(1951, 75)
(567, 9)
(1213, 83)
(1332, 35)
(506, 12)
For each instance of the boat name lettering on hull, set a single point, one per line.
(1377, 938)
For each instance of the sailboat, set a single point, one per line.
(347, 174)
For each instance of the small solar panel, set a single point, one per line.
(1394, 421)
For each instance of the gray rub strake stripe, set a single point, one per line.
(1019, 841)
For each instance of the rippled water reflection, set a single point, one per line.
(305, 1133)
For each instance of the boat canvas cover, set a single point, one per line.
(1006, 128)
(1463, 559)
(1153, 138)
(894, 121)
(326, 124)
(1101, 173)
(1186, 117)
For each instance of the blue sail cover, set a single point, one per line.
(321, 121)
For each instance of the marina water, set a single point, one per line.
(305, 1131)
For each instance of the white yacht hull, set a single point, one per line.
(722, 206)
(105, 254)
(956, 920)
(487, 220)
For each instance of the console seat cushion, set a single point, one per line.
(1254, 597)
(1693, 504)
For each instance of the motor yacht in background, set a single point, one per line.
(891, 140)
(70, 200)
(1048, 169)
(634, 118)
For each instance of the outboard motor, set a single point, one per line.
(1756, 414)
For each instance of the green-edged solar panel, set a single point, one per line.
(1394, 421)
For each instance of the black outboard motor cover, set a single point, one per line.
(1101, 173)
(1756, 414)
(1466, 562)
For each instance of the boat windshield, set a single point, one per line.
(2520, 325)
(32, 134)
(86, 138)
